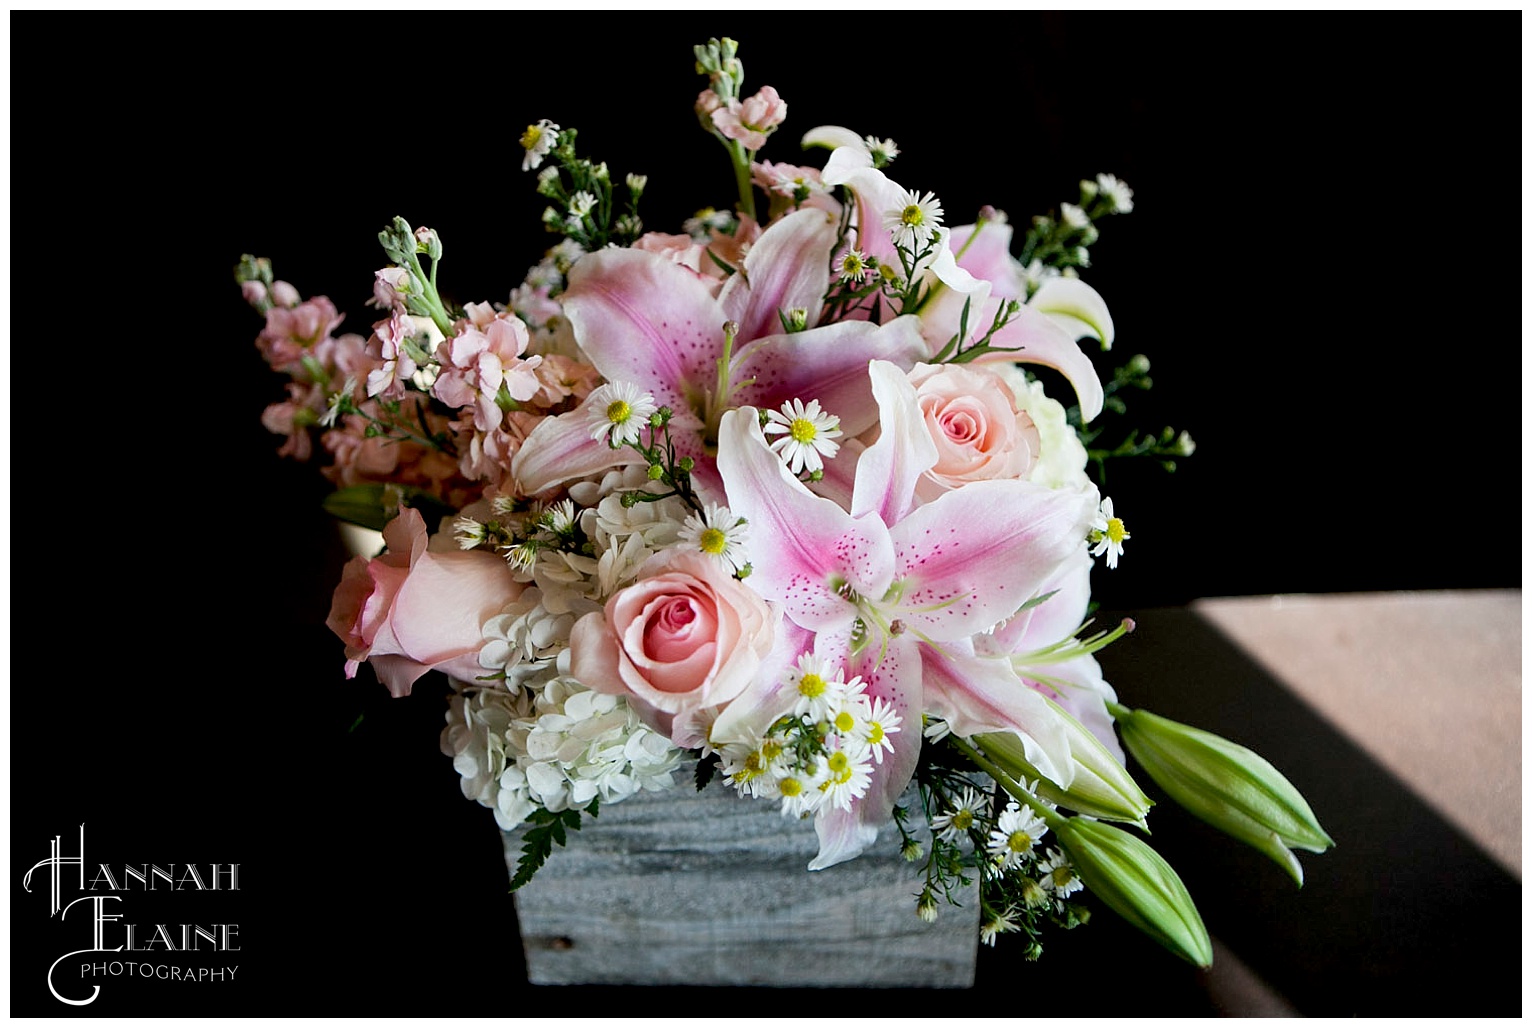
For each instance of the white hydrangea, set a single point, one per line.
(526, 638)
(557, 745)
(478, 720)
(577, 744)
(1062, 459)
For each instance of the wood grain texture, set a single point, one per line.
(688, 888)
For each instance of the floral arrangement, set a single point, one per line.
(788, 502)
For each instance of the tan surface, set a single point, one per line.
(1428, 683)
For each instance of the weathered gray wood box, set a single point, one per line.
(689, 888)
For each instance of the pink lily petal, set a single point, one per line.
(896, 678)
(828, 364)
(986, 254)
(644, 319)
(973, 556)
(815, 545)
(560, 449)
(1058, 617)
(887, 473)
(787, 267)
(984, 694)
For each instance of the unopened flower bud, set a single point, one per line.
(1127, 875)
(925, 908)
(284, 295)
(1230, 787)
(428, 243)
(1088, 190)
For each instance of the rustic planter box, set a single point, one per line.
(689, 888)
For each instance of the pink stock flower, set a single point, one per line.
(750, 121)
(387, 345)
(685, 638)
(292, 332)
(388, 285)
(414, 610)
(484, 354)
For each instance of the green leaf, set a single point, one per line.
(537, 843)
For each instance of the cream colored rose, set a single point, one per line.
(979, 432)
(1061, 458)
(684, 639)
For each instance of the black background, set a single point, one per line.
(1323, 268)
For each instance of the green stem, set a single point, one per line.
(746, 188)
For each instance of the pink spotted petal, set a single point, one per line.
(644, 319)
(973, 556)
(893, 674)
(828, 364)
(787, 267)
(889, 470)
(804, 545)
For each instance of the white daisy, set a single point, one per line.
(882, 150)
(855, 266)
(954, 822)
(1108, 533)
(1016, 833)
(537, 141)
(619, 412)
(1058, 876)
(915, 220)
(807, 435)
(847, 776)
(720, 534)
(998, 924)
(1117, 191)
(816, 687)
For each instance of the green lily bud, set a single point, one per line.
(1102, 787)
(1228, 786)
(1128, 876)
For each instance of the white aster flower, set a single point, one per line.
(848, 772)
(882, 150)
(618, 412)
(581, 204)
(915, 220)
(1073, 215)
(816, 688)
(798, 792)
(807, 434)
(537, 141)
(954, 822)
(720, 534)
(1015, 835)
(470, 533)
(1058, 876)
(1108, 534)
(855, 266)
(1117, 191)
(999, 923)
(880, 722)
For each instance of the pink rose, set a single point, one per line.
(412, 610)
(972, 418)
(684, 638)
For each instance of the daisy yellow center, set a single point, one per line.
(913, 216)
(1019, 842)
(618, 412)
(802, 430)
(838, 763)
(875, 733)
(811, 685)
(1115, 531)
(712, 541)
(853, 265)
(1062, 876)
(530, 137)
(962, 820)
(771, 751)
(791, 787)
(844, 722)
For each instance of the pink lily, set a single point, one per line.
(642, 319)
(975, 266)
(892, 589)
